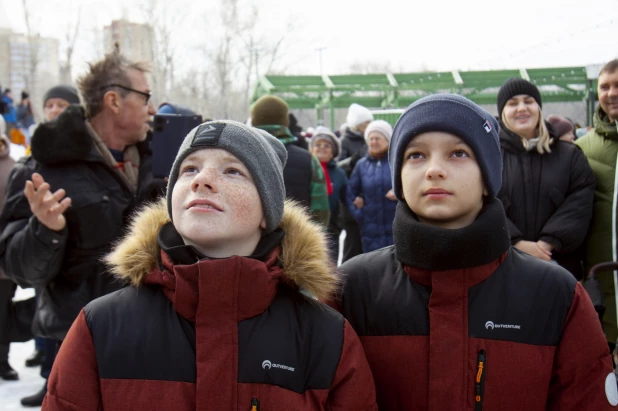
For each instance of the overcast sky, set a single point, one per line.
(410, 35)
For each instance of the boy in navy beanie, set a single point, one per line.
(451, 316)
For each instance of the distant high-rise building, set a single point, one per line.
(135, 40)
(15, 70)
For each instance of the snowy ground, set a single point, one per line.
(29, 379)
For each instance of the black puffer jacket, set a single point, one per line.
(352, 143)
(66, 265)
(548, 196)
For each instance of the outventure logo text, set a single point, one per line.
(267, 365)
(490, 325)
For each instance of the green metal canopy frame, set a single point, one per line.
(392, 91)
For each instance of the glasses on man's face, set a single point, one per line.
(147, 95)
(323, 145)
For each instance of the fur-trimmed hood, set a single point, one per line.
(303, 256)
(62, 140)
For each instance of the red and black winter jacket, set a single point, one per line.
(214, 334)
(459, 320)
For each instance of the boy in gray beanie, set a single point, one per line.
(263, 155)
(219, 273)
(451, 303)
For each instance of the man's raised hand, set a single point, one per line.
(48, 208)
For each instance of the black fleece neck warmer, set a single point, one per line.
(431, 248)
(174, 246)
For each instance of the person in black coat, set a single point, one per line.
(87, 173)
(548, 186)
(353, 148)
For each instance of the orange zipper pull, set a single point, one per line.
(255, 404)
(479, 375)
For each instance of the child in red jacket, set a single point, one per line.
(214, 317)
(452, 317)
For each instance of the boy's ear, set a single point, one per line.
(263, 223)
(485, 192)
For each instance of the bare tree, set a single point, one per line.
(236, 49)
(164, 21)
(33, 41)
(70, 36)
(223, 58)
(245, 50)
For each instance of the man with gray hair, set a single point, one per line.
(68, 202)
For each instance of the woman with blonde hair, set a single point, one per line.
(548, 186)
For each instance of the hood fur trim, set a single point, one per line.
(304, 254)
(62, 140)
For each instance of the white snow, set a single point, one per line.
(30, 381)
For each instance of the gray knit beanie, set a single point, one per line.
(262, 154)
(66, 93)
(322, 132)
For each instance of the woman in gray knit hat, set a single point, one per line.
(326, 146)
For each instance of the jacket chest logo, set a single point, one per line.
(490, 325)
(267, 365)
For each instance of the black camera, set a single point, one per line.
(169, 131)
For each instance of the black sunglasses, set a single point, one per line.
(147, 95)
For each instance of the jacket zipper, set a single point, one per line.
(479, 386)
(255, 404)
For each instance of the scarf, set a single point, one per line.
(329, 184)
(603, 126)
(431, 248)
(128, 170)
(281, 132)
(531, 144)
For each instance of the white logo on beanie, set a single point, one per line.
(487, 126)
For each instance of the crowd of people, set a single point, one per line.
(461, 283)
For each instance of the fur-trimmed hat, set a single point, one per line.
(269, 111)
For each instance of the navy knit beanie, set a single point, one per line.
(449, 113)
(514, 87)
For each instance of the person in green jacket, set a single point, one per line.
(303, 176)
(600, 145)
